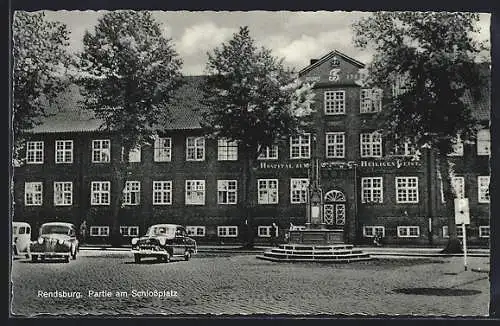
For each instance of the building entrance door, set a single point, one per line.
(334, 208)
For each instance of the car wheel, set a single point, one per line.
(166, 257)
(137, 258)
(73, 252)
(187, 255)
(42, 258)
(66, 259)
(34, 258)
(15, 251)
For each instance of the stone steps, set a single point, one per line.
(314, 253)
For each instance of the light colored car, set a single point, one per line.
(56, 240)
(21, 238)
(164, 241)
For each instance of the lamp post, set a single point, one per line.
(315, 202)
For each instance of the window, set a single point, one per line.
(63, 193)
(483, 142)
(406, 190)
(227, 150)
(334, 102)
(134, 155)
(372, 190)
(408, 231)
(34, 152)
(129, 231)
(162, 149)
(227, 192)
(404, 148)
(195, 149)
(298, 190)
(370, 100)
(162, 192)
(227, 231)
(100, 192)
(264, 231)
(369, 231)
(195, 231)
(99, 231)
(195, 192)
(458, 185)
(33, 192)
(268, 191)
(101, 151)
(460, 232)
(483, 192)
(132, 193)
(64, 151)
(484, 231)
(335, 144)
(300, 146)
(457, 148)
(269, 153)
(371, 144)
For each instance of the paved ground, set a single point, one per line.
(241, 284)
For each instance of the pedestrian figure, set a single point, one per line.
(83, 231)
(377, 240)
(274, 231)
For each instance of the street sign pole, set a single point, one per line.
(465, 246)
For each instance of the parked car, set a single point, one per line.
(56, 240)
(164, 241)
(21, 238)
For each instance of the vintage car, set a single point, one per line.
(56, 240)
(21, 238)
(164, 241)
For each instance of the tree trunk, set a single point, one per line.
(120, 169)
(247, 200)
(446, 169)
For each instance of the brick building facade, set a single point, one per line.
(369, 185)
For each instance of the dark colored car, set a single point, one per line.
(55, 240)
(164, 241)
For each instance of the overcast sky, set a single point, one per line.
(295, 36)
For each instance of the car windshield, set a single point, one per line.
(161, 230)
(59, 229)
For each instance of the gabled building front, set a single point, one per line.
(368, 184)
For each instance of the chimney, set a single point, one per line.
(313, 61)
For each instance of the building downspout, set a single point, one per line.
(356, 235)
(430, 196)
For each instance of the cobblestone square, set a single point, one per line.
(242, 284)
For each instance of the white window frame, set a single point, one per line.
(299, 190)
(195, 187)
(482, 228)
(63, 152)
(228, 189)
(335, 144)
(101, 194)
(132, 187)
(370, 100)
(269, 153)
(33, 194)
(134, 155)
(373, 230)
(266, 194)
(370, 144)
(227, 150)
(129, 228)
(102, 231)
(303, 144)
(334, 102)
(408, 229)
(407, 190)
(483, 142)
(192, 230)
(458, 186)
(162, 149)
(264, 231)
(195, 151)
(404, 149)
(460, 232)
(103, 153)
(227, 231)
(64, 195)
(457, 148)
(483, 185)
(162, 192)
(369, 189)
(34, 152)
